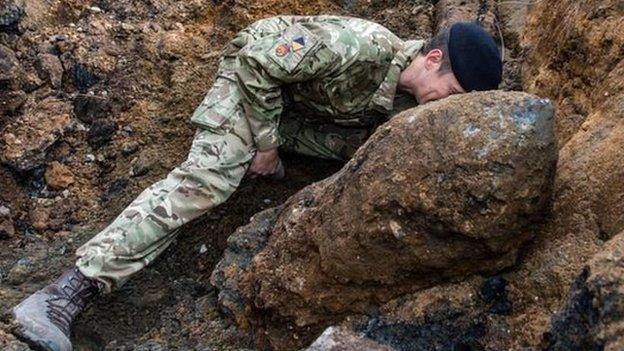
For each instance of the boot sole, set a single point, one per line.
(26, 336)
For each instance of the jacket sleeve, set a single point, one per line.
(269, 63)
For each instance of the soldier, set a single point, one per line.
(312, 85)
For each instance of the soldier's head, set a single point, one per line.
(459, 59)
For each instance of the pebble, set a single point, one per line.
(4, 211)
(90, 158)
(129, 130)
(20, 271)
(95, 9)
(58, 37)
(203, 249)
(129, 148)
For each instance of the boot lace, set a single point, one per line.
(75, 293)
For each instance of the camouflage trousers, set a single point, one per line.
(220, 154)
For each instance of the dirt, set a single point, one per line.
(126, 76)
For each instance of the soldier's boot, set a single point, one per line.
(45, 318)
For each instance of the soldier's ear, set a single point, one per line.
(434, 59)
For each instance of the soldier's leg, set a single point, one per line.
(213, 170)
(217, 162)
(327, 141)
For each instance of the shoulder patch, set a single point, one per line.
(292, 46)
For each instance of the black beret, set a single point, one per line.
(475, 59)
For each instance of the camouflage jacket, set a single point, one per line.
(327, 68)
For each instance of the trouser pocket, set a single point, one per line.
(220, 108)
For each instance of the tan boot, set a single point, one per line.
(46, 317)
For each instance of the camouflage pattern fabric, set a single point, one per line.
(340, 70)
(327, 141)
(335, 77)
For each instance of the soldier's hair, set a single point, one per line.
(440, 41)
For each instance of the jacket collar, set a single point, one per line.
(383, 98)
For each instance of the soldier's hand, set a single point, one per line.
(264, 163)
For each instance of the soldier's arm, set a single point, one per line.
(269, 63)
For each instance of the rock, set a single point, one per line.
(142, 164)
(58, 176)
(592, 318)
(40, 217)
(342, 339)
(101, 132)
(10, 69)
(494, 292)
(27, 139)
(7, 230)
(445, 317)
(128, 148)
(60, 214)
(242, 247)
(50, 69)
(12, 97)
(10, 15)
(20, 271)
(89, 107)
(451, 188)
(11, 101)
(84, 78)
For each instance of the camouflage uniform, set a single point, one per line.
(330, 79)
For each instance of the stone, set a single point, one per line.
(11, 14)
(343, 339)
(40, 217)
(58, 176)
(101, 132)
(7, 230)
(11, 101)
(25, 141)
(439, 192)
(4, 211)
(128, 148)
(494, 292)
(89, 107)
(592, 317)
(20, 271)
(84, 78)
(10, 68)
(50, 69)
